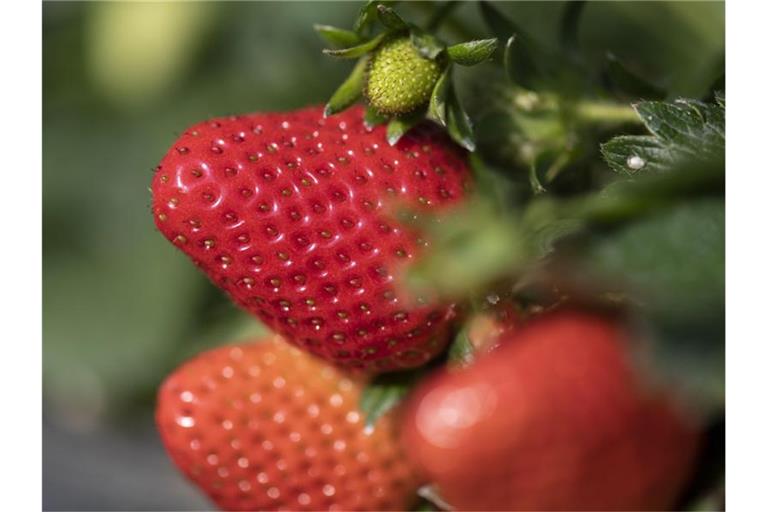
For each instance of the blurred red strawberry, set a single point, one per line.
(553, 419)
(286, 212)
(265, 426)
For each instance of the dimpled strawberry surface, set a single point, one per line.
(288, 213)
(264, 426)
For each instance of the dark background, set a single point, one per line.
(122, 308)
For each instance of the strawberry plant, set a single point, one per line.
(504, 285)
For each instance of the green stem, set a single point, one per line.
(439, 15)
(452, 24)
(533, 177)
(558, 165)
(604, 112)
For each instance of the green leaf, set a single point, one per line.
(482, 244)
(494, 184)
(716, 88)
(672, 264)
(428, 45)
(673, 260)
(349, 91)
(461, 352)
(440, 14)
(547, 225)
(628, 199)
(399, 126)
(688, 125)
(533, 178)
(356, 51)
(471, 248)
(683, 130)
(499, 24)
(390, 19)
(458, 124)
(472, 52)
(373, 118)
(367, 15)
(689, 356)
(569, 26)
(632, 154)
(337, 37)
(623, 81)
(720, 98)
(509, 65)
(385, 392)
(436, 109)
(519, 62)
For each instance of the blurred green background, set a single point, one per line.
(121, 306)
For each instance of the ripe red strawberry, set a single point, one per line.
(264, 426)
(286, 213)
(554, 419)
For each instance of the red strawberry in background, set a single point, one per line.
(286, 212)
(554, 419)
(264, 426)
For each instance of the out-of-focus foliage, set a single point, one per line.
(138, 51)
(385, 392)
(672, 263)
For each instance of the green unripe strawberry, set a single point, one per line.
(399, 78)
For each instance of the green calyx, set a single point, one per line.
(402, 72)
(399, 79)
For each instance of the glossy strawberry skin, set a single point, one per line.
(286, 212)
(554, 419)
(264, 426)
